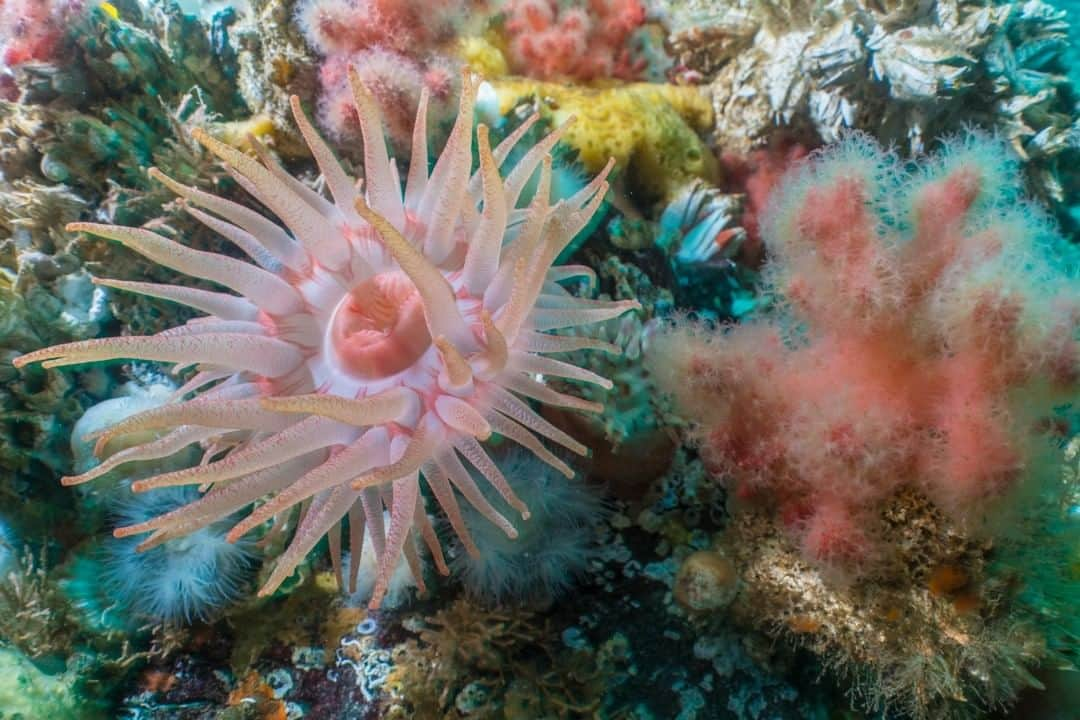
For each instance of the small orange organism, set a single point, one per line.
(804, 624)
(952, 582)
(947, 580)
(252, 689)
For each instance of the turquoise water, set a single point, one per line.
(692, 360)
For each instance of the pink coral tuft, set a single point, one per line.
(551, 42)
(31, 31)
(397, 46)
(407, 26)
(395, 82)
(927, 325)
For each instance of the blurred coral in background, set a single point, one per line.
(757, 174)
(398, 47)
(585, 41)
(33, 29)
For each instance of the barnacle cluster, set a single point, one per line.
(903, 71)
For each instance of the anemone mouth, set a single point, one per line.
(378, 329)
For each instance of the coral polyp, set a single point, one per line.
(379, 339)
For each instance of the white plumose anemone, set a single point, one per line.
(378, 340)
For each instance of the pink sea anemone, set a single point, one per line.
(378, 341)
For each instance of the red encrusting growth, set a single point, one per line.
(756, 174)
(927, 326)
(31, 31)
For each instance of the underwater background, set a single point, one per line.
(680, 359)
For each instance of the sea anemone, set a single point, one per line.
(184, 578)
(555, 546)
(379, 340)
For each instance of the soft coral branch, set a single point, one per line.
(928, 324)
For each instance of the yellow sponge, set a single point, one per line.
(650, 129)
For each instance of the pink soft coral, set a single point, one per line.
(396, 46)
(395, 81)
(581, 43)
(756, 174)
(342, 26)
(927, 325)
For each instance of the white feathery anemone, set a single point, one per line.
(378, 338)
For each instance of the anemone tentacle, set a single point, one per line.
(374, 341)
